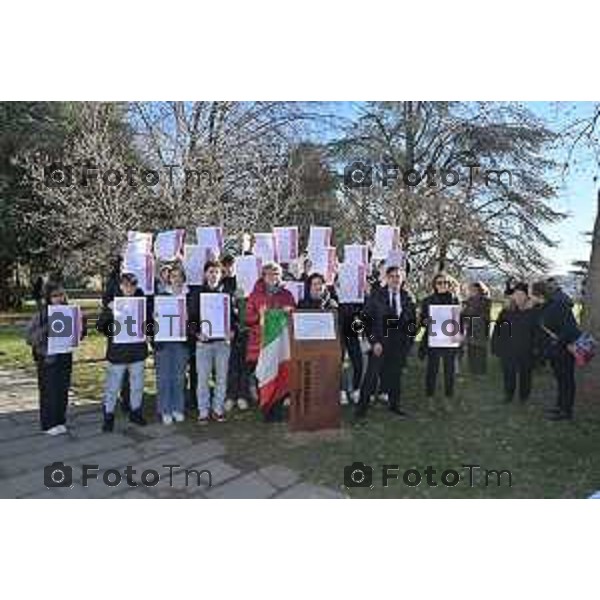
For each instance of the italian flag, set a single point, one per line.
(273, 366)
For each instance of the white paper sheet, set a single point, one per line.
(319, 237)
(215, 315)
(286, 244)
(296, 288)
(64, 328)
(352, 283)
(133, 309)
(356, 253)
(315, 325)
(264, 246)
(195, 257)
(447, 322)
(247, 272)
(142, 266)
(170, 314)
(323, 262)
(139, 241)
(396, 258)
(169, 244)
(210, 237)
(387, 237)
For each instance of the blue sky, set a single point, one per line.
(578, 190)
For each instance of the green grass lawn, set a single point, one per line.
(547, 460)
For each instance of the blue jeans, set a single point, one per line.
(171, 361)
(209, 355)
(114, 377)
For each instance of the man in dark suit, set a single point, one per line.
(392, 315)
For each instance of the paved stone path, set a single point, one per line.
(25, 451)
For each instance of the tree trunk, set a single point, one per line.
(590, 375)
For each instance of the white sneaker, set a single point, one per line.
(167, 419)
(178, 417)
(61, 429)
(343, 398)
(355, 396)
(56, 430)
(242, 404)
(229, 404)
(384, 398)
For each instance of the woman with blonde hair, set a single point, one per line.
(442, 285)
(172, 357)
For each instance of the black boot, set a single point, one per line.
(109, 422)
(136, 416)
(559, 416)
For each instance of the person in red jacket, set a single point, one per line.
(267, 293)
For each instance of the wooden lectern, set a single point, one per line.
(316, 365)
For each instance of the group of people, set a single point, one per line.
(218, 374)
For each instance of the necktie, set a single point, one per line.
(394, 303)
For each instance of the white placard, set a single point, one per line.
(139, 241)
(64, 328)
(286, 244)
(195, 258)
(247, 273)
(314, 325)
(319, 237)
(444, 326)
(352, 279)
(169, 244)
(142, 266)
(387, 237)
(395, 258)
(323, 262)
(296, 288)
(215, 315)
(264, 247)
(170, 315)
(357, 254)
(133, 310)
(210, 237)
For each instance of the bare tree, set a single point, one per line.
(81, 205)
(497, 209)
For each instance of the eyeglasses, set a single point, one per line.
(442, 282)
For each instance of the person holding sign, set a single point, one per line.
(211, 311)
(351, 289)
(171, 349)
(53, 369)
(441, 340)
(391, 314)
(126, 351)
(238, 392)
